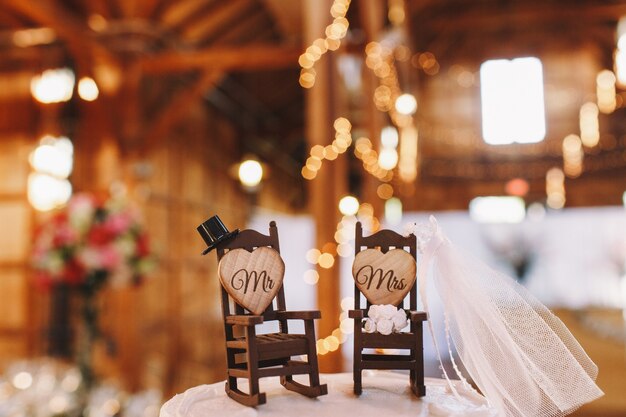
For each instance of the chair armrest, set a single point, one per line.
(416, 316)
(298, 315)
(356, 314)
(244, 320)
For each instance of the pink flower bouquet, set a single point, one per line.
(90, 242)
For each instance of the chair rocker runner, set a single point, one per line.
(250, 355)
(385, 279)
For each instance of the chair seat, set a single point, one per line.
(391, 341)
(274, 345)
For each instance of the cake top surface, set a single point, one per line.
(384, 394)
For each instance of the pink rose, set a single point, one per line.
(109, 257)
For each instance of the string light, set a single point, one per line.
(605, 91)
(555, 188)
(348, 205)
(319, 153)
(334, 32)
(572, 156)
(589, 124)
(406, 104)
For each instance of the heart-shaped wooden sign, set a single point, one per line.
(252, 278)
(384, 278)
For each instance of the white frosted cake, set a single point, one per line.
(384, 394)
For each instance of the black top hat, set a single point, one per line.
(214, 232)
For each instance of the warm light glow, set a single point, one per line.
(388, 158)
(393, 211)
(312, 255)
(311, 277)
(250, 173)
(497, 209)
(512, 101)
(555, 188)
(46, 192)
(326, 260)
(389, 137)
(53, 86)
(384, 191)
(406, 104)
(589, 124)
(88, 89)
(573, 156)
(22, 380)
(605, 91)
(517, 187)
(54, 156)
(620, 66)
(407, 164)
(624, 198)
(348, 205)
(35, 36)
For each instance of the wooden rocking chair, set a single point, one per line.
(412, 341)
(253, 356)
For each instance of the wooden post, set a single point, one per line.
(326, 188)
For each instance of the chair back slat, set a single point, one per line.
(385, 240)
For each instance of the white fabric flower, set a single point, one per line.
(384, 326)
(399, 320)
(370, 326)
(374, 312)
(387, 311)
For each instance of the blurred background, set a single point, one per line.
(505, 118)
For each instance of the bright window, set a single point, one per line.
(512, 101)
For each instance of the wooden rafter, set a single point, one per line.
(146, 8)
(179, 105)
(79, 37)
(227, 13)
(100, 7)
(179, 13)
(247, 25)
(516, 13)
(250, 57)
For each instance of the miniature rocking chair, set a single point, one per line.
(381, 278)
(253, 356)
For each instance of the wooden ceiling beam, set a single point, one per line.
(179, 105)
(245, 58)
(146, 8)
(250, 24)
(176, 15)
(79, 37)
(227, 13)
(10, 21)
(487, 17)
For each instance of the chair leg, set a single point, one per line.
(417, 373)
(254, 397)
(315, 389)
(357, 358)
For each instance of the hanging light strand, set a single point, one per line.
(334, 32)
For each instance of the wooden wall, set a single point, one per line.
(166, 333)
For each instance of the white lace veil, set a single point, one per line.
(522, 357)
